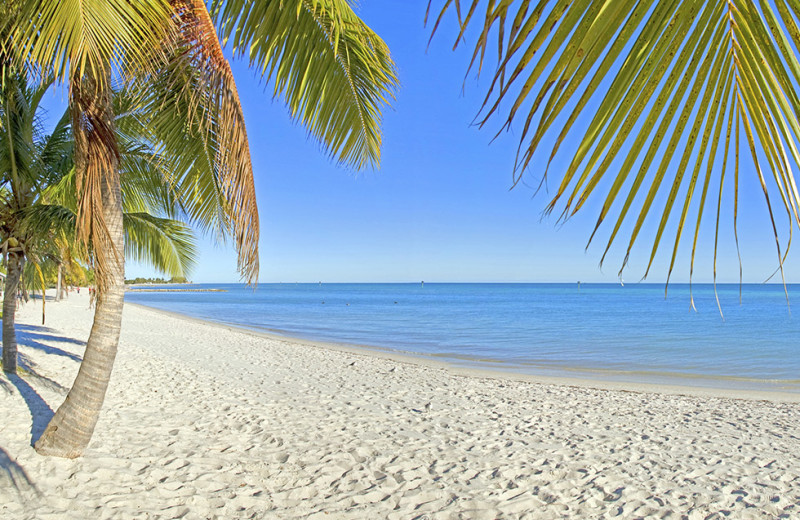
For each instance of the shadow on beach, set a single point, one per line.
(41, 413)
(45, 333)
(14, 475)
(34, 298)
(32, 336)
(29, 367)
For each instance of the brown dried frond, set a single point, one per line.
(218, 112)
(96, 163)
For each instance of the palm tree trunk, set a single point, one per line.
(9, 310)
(23, 290)
(58, 282)
(71, 428)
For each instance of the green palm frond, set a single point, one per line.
(333, 71)
(165, 156)
(198, 86)
(167, 245)
(189, 156)
(663, 85)
(78, 38)
(34, 274)
(17, 147)
(144, 186)
(55, 152)
(46, 221)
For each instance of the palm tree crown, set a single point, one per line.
(333, 71)
(38, 199)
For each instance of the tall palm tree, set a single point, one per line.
(649, 94)
(333, 71)
(38, 202)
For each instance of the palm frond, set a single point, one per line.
(647, 94)
(77, 38)
(167, 245)
(334, 72)
(17, 147)
(216, 173)
(46, 221)
(55, 152)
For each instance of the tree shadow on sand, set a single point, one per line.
(38, 297)
(45, 333)
(32, 336)
(14, 475)
(26, 364)
(29, 336)
(41, 413)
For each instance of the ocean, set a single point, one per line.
(597, 331)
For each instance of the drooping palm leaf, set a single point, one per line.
(167, 244)
(662, 84)
(333, 71)
(195, 122)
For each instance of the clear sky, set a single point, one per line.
(439, 208)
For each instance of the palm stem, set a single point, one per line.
(13, 274)
(71, 428)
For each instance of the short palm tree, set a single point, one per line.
(28, 161)
(38, 202)
(652, 97)
(332, 70)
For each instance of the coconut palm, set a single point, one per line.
(38, 202)
(333, 71)
(653, 96)
(29, 160)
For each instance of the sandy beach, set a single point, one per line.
(205, 421)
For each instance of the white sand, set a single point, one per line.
(205, 422)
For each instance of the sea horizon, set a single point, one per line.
(624, 283)
(603, 331)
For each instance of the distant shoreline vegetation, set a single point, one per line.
(140, 280)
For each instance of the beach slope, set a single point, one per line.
(205, 421)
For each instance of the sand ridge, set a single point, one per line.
(206, 422)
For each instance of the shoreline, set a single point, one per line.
(561, 377)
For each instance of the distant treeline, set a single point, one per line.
(175, 279)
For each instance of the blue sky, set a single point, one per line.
(439, 208)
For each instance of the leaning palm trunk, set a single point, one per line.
(71, 428)
(9, 310)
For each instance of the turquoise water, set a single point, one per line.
(604, 331)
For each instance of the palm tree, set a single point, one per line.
(28, 160)
(333, 71)
(649, 94)
(38, 202)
